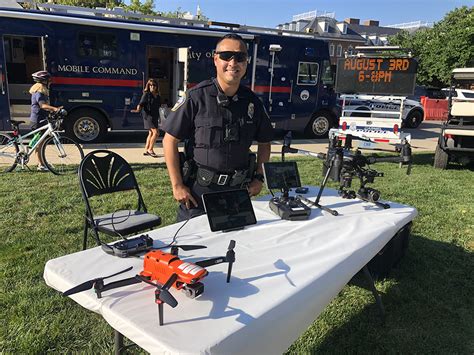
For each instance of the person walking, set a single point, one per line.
(219, 118)
(40, 107)
(149, 106)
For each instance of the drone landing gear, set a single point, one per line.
(320, 193)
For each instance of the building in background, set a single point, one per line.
(343, 36)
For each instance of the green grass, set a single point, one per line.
(428, 298)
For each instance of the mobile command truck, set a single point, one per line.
(100, 60)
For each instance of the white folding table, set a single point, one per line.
(285, 273)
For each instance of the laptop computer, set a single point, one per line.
(228, 210)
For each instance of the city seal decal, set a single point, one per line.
(179, 103)
(304, 95)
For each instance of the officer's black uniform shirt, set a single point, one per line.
(198, 116)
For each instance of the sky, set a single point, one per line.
(269, 13)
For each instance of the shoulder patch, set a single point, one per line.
(179, 103)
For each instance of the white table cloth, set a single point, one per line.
(285, 273)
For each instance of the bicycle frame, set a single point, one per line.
(48, 131)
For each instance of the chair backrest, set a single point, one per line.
(103, 171)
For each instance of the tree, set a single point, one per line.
(448, 45)
(147, 8)
(90, 3)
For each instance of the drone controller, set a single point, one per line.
(128, 247)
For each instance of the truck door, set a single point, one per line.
(169, 66)
(280, 104)
(305, 91)
(4, 107)
(24, 55)
(181, 73)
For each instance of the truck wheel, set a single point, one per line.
(414, 119)
(440, 158)
(86, 126)
(318, 126)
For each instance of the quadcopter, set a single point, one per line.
(342, 164)
(164, 271)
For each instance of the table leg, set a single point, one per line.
(377, 297)
(118, 342)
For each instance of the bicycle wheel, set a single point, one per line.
(8, 153)
(62, 156)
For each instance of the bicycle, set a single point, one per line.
(60, 154)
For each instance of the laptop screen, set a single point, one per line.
(281, 175)
(228, 210)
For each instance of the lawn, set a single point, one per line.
(429, 298)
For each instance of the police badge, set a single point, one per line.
(250, 110)
(179, 103)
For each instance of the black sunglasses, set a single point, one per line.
(228, 55)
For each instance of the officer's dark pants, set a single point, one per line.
(197, 191)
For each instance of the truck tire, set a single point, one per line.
(86, 126)
(414, 119)
(319, 125)
(441, 158)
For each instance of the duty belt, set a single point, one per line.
(205, 177)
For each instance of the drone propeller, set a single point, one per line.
(163, 293)
(89, 284)
(230, 257)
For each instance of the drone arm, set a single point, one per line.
(375, 159)
(403, 159)
(287, 149)
(213, 261)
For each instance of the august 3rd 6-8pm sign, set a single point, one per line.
(378, 76)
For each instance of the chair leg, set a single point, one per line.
(86, 229)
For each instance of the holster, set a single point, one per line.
(188, 168)
(252, 169)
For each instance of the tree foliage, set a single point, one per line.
(448, 45)
(146, 7)
(90, 3)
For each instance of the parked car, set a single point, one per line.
(460, 93)
(412, 115)
(429, 92)
(456, 140)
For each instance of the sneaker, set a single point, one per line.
(42, 168)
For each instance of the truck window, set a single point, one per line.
(307, 73)
(97, 45)
(327, 75)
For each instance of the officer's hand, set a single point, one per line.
(255, 187)
(183, 195)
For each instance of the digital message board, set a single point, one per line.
(378, 76)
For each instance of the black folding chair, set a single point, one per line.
(105, 172)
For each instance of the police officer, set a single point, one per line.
(221, 119)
